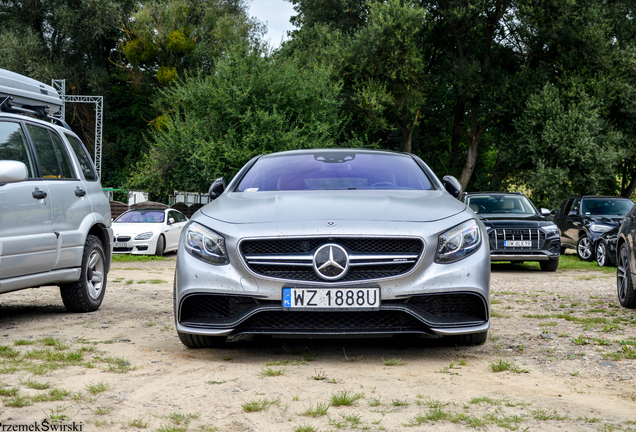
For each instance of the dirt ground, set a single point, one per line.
(567, 348)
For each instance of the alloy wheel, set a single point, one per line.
(585, 251)
(95, 274)
(622, 274)
(601, 254)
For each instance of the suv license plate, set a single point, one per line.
(518, 243)
(120, 245)
(331, 298)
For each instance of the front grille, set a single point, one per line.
(250, 315)
(215, 309)
(122, 239)
(450, 308)
(331, 322)
(499, 235)
(122, 249)
(370, 258)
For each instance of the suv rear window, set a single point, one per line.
(82, 156)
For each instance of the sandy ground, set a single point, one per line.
(123, 367)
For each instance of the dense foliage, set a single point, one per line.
(529, 95)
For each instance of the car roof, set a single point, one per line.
(333, 150)
(23, 117)
(494, 193)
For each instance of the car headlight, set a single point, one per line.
(458, 242)
(550, 229)
(600, 228)
(205, 244)
(144, 236)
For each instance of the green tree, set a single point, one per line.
(252, 104)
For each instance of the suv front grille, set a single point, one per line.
(370, 258)
(499, 235)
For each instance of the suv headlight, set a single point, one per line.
(144, 236)
(600, 228)
(205, 244)
(458, 242)
(550, 229)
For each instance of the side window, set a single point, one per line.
(62, 156)
(82, 157)
(13, 145)
(46, 154)
(179, 217)
(566, 207)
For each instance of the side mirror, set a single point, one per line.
(13, 171)
(170, 221)
(452, 185)
(545, 212)
(217, 188)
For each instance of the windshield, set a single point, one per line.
(338, 170)
(500, 204)
(607, 207)
(141, 216)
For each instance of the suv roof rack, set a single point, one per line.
(38, 111)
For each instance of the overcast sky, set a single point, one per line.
(276, 14)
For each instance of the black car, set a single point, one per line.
(626, 260)
(582, 219)
(605, 248)
(516, 229)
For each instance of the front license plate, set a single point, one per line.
(518, 243)
(120, 245)
(331, 298)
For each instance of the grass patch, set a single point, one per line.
(137, 258)
(36, 385)
(95, 388)
(259, 405)
(394, 362)
(502, 365)
(185, 419)
(305, 428)
(18, 401)
(319, 410)
(138, 423)
(345, 398)
(269, 372)
(8, 352)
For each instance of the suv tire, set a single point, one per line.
(624, 284)
(549, 266)
(87, 293)
(584, 248)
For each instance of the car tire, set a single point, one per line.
(87, 293)
(161, 246)
(549, 266)
(624, 284)
(471, 338)
(584, 248)
(601, 254)
(201, 341)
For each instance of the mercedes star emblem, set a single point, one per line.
(330, 223)
(331, 262)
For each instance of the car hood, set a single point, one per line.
(135, 228)
(294, 206)
(612, 220)
(509, 220)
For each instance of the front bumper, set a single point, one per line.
(433, 299)
(138, 247)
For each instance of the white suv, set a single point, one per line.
(54, 217)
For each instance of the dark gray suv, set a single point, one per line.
(54, 217)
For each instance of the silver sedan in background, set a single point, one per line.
(324, 243)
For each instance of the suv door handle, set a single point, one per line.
(38, 194)
(80, 192)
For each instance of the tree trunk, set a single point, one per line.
(631, 187)
(407, 132)
(476, 132)
(458, 123)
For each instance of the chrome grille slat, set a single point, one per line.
(369, 258)
(500, 235)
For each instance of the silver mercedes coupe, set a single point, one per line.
(333, 242)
